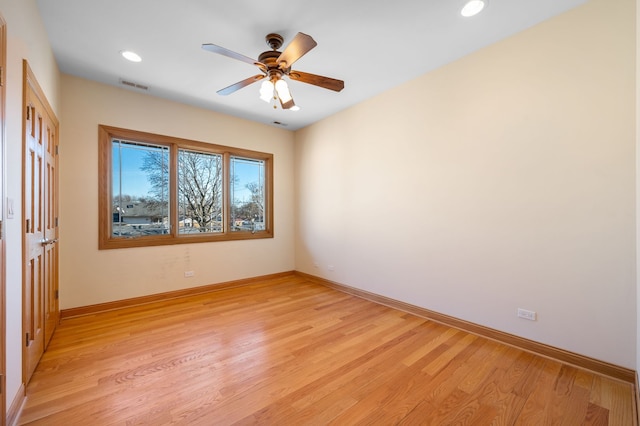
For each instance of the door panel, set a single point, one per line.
(41, 312)
(50, 246)
(34, 291)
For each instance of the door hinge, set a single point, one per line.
(1, 76)
(57, 294)
(28, 113)
(56, 149)
(56, 221)
(1, 383)
(26, 343)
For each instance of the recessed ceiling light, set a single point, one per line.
(131, 56)
(294, 108)
(473, 7)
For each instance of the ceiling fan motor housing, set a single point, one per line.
(270, 59)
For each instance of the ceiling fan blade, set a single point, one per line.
(231, 54)
(317, 80)
(301, 44)
(239, 85)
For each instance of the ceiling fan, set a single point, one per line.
(275, 65)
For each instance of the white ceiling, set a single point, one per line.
(372, 45)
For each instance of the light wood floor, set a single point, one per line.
(289, 352)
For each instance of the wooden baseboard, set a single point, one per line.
(136, 301)
(581, 361)
(16, 406)
(636, 405)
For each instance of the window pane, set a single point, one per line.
(199, 192)
(140, 188)
(247, 195)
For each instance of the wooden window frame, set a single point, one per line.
(105, 238)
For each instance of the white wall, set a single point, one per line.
(637, 184)
(88, 275)
(26, 39)
(503, 180)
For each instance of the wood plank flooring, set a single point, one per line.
(290, 352)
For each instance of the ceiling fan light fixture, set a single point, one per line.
(130, 56)
(473, 7)
(266, 91)
(283, 91)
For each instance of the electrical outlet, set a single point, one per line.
(188, 274)
(528, 315)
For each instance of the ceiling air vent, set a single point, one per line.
(279, 123)
(134, 85)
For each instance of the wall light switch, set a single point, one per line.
(9, 208)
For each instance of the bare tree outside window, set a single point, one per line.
(199, 192)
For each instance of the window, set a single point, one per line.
(140, 194)
(247, 194)
(157, 190)
(199, 192)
